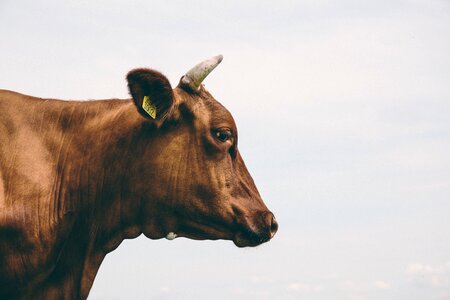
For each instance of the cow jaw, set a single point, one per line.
(245, 230)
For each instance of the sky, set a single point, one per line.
(343, 110)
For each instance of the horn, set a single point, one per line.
(197, 74)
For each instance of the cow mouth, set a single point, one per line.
(242, 238)
(199, 231)
(249, 238)
(243, 234)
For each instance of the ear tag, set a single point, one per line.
(149, 107)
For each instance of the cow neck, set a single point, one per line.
(96, 145)
(109, 143)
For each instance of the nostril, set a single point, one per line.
(271, 224)
(273, 227)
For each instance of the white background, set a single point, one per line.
(343, 109)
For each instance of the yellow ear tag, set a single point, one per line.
(149, 107)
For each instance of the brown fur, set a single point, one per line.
(76, 178)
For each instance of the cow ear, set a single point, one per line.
(151, 92)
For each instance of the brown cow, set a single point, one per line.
(79, 177)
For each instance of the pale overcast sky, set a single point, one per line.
(343, 109)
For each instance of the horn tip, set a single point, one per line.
(219, 58)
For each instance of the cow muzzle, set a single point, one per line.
(256, 230)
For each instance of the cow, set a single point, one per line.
(79, 177)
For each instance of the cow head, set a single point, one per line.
(192, 180)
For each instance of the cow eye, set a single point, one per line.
(223, 135)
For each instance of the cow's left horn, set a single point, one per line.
(197, 74)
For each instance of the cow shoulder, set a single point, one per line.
(32, 230)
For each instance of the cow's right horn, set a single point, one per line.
(197, 74)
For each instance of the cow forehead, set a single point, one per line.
(205, 107)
